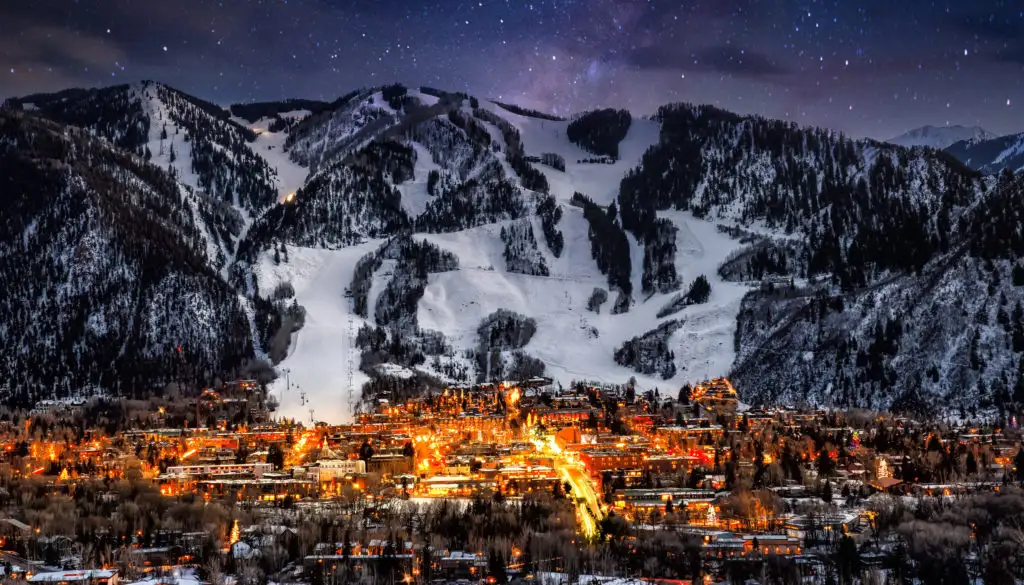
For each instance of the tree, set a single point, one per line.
(496, 566)
(847, 560)
(825, 463)
(366, 451)
(1018, 464)
(275, 456)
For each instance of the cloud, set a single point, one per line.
(50, 45)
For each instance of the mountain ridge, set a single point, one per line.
(940, 137)
(435, 211)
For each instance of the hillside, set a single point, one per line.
(109, 269)
(991, 156)
(404, 238)
(940, 137)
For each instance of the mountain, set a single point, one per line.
(395, 239)
(109, 269)
(993, 155)
(198, 142)
(940, 137)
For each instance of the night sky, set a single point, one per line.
(869, 67)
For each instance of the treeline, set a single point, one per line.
(650, 353)
(522, 255)
(255, 111)
(342, 205)
(699, 292)
(609, 247)
(114, 113)
(550, 213)
(398, 337)
(225, 165)
(600, 131)
(104, 270)
(528, 112)
(501, 337)
(515, 152)
(891, 215)
(659, 274)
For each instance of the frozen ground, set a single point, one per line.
(321, 371)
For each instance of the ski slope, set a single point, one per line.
(455, 303)
(321, 371)
(598, 181)
(270, 146)
(574, 343)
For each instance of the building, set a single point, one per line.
(390, 464)
(331, 469)
(90, 577)
(717, 396)
(598, 461)
(253, 469)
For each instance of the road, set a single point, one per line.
(584, 495)
(588, 505)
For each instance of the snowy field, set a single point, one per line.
(322, 364)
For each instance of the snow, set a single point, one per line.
(1012, 151)
(598, 181)
(160, 118)
(425, 99)
(322, 361)
(179, 576)
(574, 343)
(456, 302)
(270, 146)
(414, 193)
(941, 137)
(295, 114)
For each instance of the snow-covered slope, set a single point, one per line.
(321, 371)
(437, 238)
(600, 181)
(993, 155)
(574, 342)
(940, 137)
(109, 269)
(289, 176)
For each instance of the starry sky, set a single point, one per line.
(866, 67)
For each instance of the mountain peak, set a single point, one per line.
(940, 136)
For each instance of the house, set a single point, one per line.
(84, 577)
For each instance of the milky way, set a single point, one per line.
(870, 68)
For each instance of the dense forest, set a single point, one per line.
(610, 247)
(600, 131)
(104, 266)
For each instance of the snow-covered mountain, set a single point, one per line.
(940, 137)
(993, 155)
(109, 269)
(397, 238)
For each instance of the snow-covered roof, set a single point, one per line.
(78, 575)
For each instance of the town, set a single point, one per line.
(500, 483)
